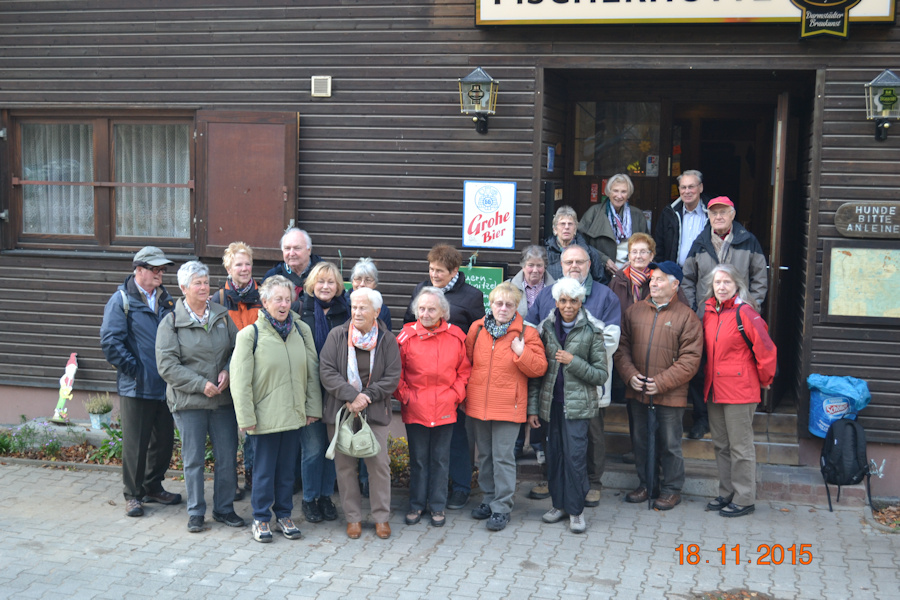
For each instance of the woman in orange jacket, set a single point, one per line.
(504, 353)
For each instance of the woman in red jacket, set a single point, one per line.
(433, 384)
(504, 354)
(736, 368)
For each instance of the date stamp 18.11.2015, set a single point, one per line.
(766, 554)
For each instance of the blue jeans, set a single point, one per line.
(273, 474)
(429, 464)
(318, 472)
(220, 424)
(460, 457)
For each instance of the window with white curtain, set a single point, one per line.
(105, 179)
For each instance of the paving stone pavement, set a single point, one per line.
(65, 535)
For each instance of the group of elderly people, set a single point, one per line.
(278, 361)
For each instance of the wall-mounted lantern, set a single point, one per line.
(478, 96)
(882, 103)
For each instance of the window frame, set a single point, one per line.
(104, 187)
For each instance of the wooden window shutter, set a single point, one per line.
(247, 171)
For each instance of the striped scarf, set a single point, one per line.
(638, 279)
(621, 227)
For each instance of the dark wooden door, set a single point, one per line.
(247, 180)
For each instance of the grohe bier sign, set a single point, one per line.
(489, 214)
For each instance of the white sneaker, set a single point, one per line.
(541, 457)
(577, 524)
(554, 515)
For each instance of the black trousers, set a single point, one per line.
(567, 445)
(148, 436)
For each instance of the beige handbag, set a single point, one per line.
(358, 444)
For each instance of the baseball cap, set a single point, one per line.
(669, 268)
(150, 256)
(720, 200)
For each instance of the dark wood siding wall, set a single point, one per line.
(382, 162)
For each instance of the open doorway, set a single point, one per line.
(742, 134)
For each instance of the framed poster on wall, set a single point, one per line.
(860, 279)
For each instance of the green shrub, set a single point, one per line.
(111, 447)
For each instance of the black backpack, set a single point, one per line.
(844, 460)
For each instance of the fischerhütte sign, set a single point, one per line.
(868, 219)
(561, 12)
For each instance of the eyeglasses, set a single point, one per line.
(640, 253)
(569, 263)
(156, 270)
(366, 280)
(691, 187)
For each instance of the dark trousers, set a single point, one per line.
(429, 465)
(460, 456)
(148, 436)
(273, 474)
(596, 449)
(668, 446)
(567, 443)
(695, 394)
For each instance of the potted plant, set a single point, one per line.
(99, 407)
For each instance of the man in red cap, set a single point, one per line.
(721, 241)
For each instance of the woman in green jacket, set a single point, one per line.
(568, 397)
(193, 348)
(275, 384)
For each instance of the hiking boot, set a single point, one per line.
(667, 501)
(311, 512)
(134, 508)
(736, 510)
(637, 496)
(554, 515)
(327, 509)
(195, 523)
(458, 499)
(540, 492)
(231, 519)
(592, 498)
(498, 521)
(577, 524)
(163, 497)
(481, 512)
(287, 527)
(261, 531)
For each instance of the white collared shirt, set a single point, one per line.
(692, 223)
(150, 296)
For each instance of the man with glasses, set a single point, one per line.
(721, 241)
(602, 304)
(128, 340)
(682, 221)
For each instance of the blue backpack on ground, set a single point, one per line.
(844, 460)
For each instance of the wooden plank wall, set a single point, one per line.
(382, 162)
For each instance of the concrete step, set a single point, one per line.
(795, 484)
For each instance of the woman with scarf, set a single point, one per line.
(240, 295)
(193, 351)
(275, 385)
(324, 308)
(608, 225)
(504, 355)
(738, 364)
(568, 397)
(360, 369)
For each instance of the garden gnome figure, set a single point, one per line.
(61, 414)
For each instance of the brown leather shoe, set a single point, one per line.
(639, 495)
(354, 530)
(383, 530)
(667, 501)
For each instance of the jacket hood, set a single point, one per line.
(416, 329)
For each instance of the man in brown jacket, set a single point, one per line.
(659, 352)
